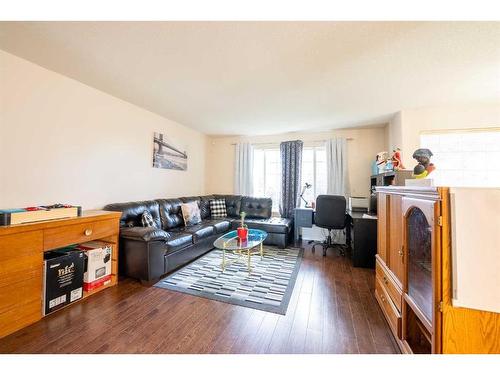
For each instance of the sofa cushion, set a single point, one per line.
(233, 204)
(170, 213)
(205, 206)
(144, 234)
(178, 240)
(220, 225)
(256, 208)
(132, 212)
(201, 231)
(272, 225)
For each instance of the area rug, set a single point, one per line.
(268, 287)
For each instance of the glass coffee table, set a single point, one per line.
(246, 248)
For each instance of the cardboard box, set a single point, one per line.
(63, 279)
(34, 214)
(97, 260)
(97, 283)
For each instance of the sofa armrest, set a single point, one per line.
(145, 234)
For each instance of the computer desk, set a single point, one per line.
(361, 234)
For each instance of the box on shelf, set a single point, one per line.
(63, 278)
(426, 182)
(97, 263)
(38, 213)
(88, 287)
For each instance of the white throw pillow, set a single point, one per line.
(191, 213)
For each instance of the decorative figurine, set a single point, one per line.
(424, 166)
(382, 161)
(388, 165)
(396, 159)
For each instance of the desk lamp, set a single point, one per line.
(306, 186)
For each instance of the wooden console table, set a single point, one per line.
(21, 261)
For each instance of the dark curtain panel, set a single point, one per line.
(291, 167)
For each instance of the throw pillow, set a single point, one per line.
(218, 208)
(147, 219)
(191, 213)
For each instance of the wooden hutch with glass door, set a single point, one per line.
(413, 276)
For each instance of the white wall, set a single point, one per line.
(361, 152)
(63, 141)
(395, 132)
(407, 125)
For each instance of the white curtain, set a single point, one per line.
(337, 182)
(336, 167)
(243, 173)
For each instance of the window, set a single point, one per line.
(465, 158)
(313, 172)
(267, 174)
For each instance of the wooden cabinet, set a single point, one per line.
(391, 313)
(21, 261)
(422, 288)
(390, 286)
(413, 277)
(382, 214)
(390, 240)
(395, 255)
(410, 273)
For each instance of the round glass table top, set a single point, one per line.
(230, 240)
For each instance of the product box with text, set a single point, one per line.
(63, 279)
(97, 263)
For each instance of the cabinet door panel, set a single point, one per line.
(395, 253)
(423, 254)
(382, 214)
(21, 262)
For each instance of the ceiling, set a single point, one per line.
(270, 77)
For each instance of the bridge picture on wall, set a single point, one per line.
(166, 155)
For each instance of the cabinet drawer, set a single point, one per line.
(20, 258)
(78, 233)
(391, 313)
(20, 317)
(304, 218)
(389, 284)
(15, 295)
(22, 245)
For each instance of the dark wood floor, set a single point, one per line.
(332, 310)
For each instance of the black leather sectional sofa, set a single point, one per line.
(147, 253)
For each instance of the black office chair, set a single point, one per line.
(330, 214)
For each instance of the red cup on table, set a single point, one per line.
(242, 233)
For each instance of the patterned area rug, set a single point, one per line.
(268, 287)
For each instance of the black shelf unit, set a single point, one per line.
(386, 179)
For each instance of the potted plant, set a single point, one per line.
(242, 230)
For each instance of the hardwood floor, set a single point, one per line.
(332, 310)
